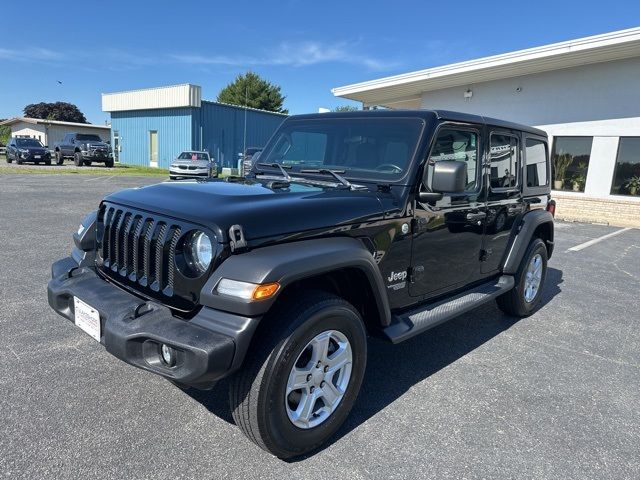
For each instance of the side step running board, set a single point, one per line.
(416, 321)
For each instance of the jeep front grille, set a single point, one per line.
(140, 250)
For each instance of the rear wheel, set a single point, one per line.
(524, 298)
(303, 375)
(77, 159)
(108, 163)
(87, 163)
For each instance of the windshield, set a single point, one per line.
(28, 142)
(193, 156)
(376, 149)
(91, 138)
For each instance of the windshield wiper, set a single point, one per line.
(285, 174)
(335, 174)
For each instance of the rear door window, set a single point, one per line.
(504, 154)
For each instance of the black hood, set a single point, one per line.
(260, 210)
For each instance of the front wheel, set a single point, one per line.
(524, 298)
(59, 158)
(77, 159)
(302, 376)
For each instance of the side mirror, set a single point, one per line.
(449, 176)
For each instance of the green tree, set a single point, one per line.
(5, 133)
(346, 108)
(251, 90)
(61, 111)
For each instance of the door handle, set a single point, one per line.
(476, 216)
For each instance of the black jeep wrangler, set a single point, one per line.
(382, 223)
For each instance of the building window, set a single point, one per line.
(536, 157)
(626, 176)
(504, 161)
(570, 162)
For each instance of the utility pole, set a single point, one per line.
(246, 101)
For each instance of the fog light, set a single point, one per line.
(168, 355)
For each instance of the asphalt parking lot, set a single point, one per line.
(556, 395)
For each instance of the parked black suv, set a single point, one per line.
(27, 150)
(381, 223)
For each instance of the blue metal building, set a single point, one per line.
(152, 126)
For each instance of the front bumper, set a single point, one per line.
(97, 155)
(31, 157)
(208, 347)
(185, 173)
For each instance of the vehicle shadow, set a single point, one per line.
(408, 363)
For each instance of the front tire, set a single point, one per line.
(303, 375)
(77, 159)
(59, 158)
(524, 298)
(108, 163)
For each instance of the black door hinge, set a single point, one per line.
(236, 238)
(415, 273)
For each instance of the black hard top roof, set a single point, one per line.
(426, 115)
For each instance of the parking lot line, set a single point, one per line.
(584, 245)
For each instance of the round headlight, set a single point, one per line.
(199, 251)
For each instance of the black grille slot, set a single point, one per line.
(175, 236)
(146, 253)
(158, 256)
(108, 217)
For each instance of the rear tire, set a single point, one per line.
(87, 163)
(524, 298)
(108, 163)
(59, 158)
(77, 159)
(286, 421)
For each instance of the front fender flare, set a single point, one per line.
(290, 262)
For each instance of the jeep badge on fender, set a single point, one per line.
(275, 280)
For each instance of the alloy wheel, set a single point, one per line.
(533, 277)
(318, 379)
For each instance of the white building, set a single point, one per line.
(584, 93)
(52, 131)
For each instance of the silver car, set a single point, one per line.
(193, 164)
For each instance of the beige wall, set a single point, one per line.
(614, 210)
(50, 134)
(29, 130)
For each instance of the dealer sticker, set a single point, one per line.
(87, 318)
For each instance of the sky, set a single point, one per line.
(306, 47)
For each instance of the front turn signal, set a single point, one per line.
(246, 290)
(265, 291)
